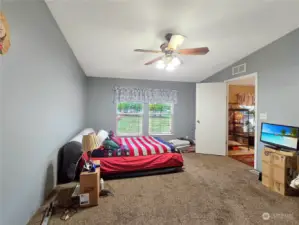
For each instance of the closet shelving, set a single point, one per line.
(239, 128)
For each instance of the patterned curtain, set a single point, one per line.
(144, 95)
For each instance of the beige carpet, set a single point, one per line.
(212, 190)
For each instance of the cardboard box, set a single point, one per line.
(278, 169)
(284, 161)
(279, 187)
(278, 160)
(89, 188)
(284, 189)
(266, 168)
(267, 175)
(266, 156)
(279, 174)
(267, 181)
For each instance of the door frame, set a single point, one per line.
(255, 75)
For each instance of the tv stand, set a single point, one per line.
(283, 151)
(278, 168)
(278, 148)
(272, 147)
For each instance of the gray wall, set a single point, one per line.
(101, 111)
(1, 134)
(277, 66)
(44, 100)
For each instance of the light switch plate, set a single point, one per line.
(263, 116)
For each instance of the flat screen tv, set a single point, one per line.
(280, 136)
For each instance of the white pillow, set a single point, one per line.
(88, 131)
(79, 136)
(102, 135)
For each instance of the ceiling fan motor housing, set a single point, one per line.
(168, 37)
(163, 47)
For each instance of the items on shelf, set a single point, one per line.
(240, 128)
(247, 99)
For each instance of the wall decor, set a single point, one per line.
(4, 35)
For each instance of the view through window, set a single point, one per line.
(160, 118)
(129, 118)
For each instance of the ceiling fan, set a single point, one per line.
(171, 49)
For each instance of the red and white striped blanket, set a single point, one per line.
(145, 145)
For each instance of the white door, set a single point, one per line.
(211, 112)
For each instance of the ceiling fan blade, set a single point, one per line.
(175, 41)
(150, 51)
(154, 60)
(194, 51)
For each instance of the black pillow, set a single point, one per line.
(68, 159)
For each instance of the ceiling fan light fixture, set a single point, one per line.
(176, 62)
(160, 65)
(170, 67)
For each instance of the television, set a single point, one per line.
(280, 136)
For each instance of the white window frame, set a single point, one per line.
(171, 122)
(139, 114)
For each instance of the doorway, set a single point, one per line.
(241, 119)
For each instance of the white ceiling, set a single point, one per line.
(103, 33)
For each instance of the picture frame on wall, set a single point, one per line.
(4, 34)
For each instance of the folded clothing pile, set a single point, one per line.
(182, 142)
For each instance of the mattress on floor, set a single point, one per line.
(113, 165)
(146, 145)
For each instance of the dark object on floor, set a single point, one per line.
(187, 139)
(260, 176)
(106, 193)
(143, 173)
(47, 215)
(190, 149)
(68, 213)
(68, 159)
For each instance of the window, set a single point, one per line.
(129, 118)
(160, 118)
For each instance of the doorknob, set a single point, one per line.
(198, 121)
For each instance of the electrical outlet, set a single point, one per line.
(186, 137)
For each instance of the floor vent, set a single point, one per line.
(239, 69)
